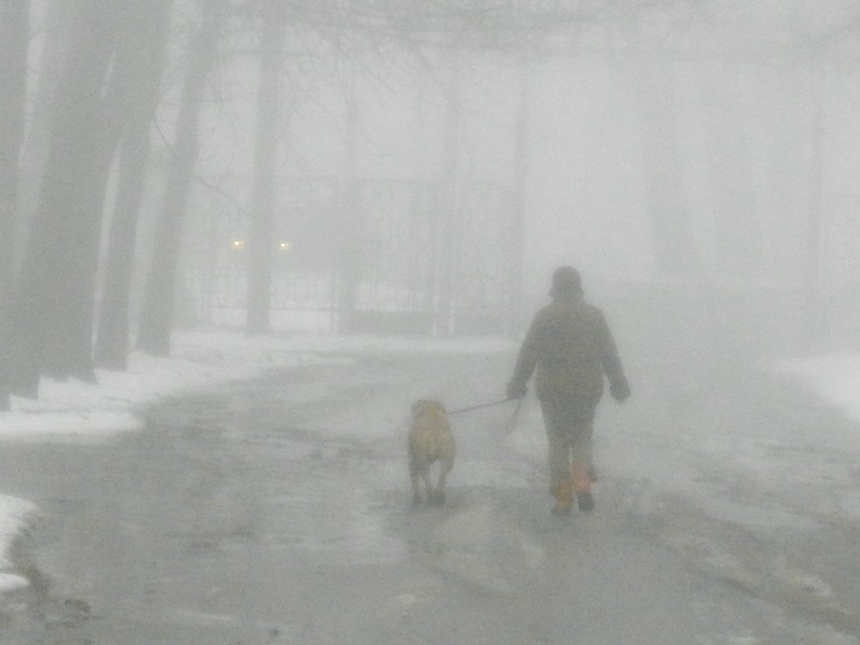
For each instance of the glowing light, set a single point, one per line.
(238, 245)
(284, 246)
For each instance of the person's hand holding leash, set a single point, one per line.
(516, 390)
(620, 390)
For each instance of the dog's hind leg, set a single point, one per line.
(414, 468)
(428, 484)
(445, 467)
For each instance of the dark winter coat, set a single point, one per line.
(572, 348)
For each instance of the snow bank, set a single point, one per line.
(834, 377)
(14, 516)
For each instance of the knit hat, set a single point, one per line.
(565, 281)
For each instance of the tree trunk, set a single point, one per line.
(147, 66)
(51, 327)
(13, 75)
(737, 231)
(814, 320)
(261, 245)
(58, 35)
(672, 236)
(518, 215)
(156, 317)
(446, 241)
(350, 257)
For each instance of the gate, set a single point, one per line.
(374, 265)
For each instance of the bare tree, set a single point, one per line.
(738, 235)
(51, 328)
(667, 207)
(14, 22)
(56, 32)
(269, 95)
(156, 317)
(349, 253)
(146, 66)
(518, 199)
(448, 206)
(812, 331)
(13, 74)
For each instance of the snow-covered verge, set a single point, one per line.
(15, 514)
(76, 411)
(834, 377)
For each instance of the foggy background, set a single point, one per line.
(421, 168)
(342, 181)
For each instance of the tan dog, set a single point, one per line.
(430, 440)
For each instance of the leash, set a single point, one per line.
(482, 405)
(512, 424)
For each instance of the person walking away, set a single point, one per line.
(571, 348)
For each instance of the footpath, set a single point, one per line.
(750, 479)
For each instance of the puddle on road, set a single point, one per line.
(332, 525)
(321, 499)
(320, 504)
(314, 496)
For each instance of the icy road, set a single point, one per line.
(278, 511)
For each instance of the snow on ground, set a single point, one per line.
(74, 411)
(834, 377)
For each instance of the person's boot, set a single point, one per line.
(582, 486)
(563, 492)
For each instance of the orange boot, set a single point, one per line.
(582, 486)
(563, 492)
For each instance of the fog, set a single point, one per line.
(255, 232)
(423, 170)
(691, 165)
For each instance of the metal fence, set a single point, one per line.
(386, 244)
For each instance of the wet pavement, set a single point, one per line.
(278, 511)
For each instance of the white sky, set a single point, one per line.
(76, 412)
